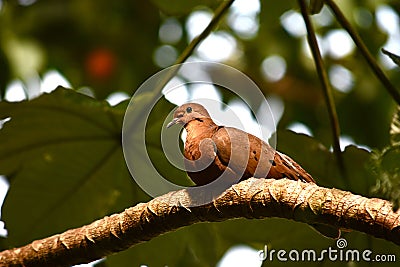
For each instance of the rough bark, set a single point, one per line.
(253, 199)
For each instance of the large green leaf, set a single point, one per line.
(156, 121)
(143, 122)
(63, 157)
(185, 247)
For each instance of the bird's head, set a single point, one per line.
(187, 113)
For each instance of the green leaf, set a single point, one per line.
(386, 166)
(145, 157)
(62, 152)
(182, 7)
(394, 57)
(184, 247)
(153, 143)
(359, 177)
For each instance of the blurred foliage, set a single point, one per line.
(386, 166)
(178, 7)
(94, 43)
(316, 6)
(61, 152)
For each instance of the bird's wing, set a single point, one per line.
(245, 154)
(283, 166)
(249, 156)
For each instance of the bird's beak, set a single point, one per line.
(173, 122)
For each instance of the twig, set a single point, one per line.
(364, 51)
(327, 90)
(218, 14)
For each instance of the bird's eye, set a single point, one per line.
(188, 109)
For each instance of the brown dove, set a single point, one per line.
(199, 126)
(228, 148)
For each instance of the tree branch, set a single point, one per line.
(218, 15)
(253, 199)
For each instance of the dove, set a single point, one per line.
(199, 126)
(212, 149)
